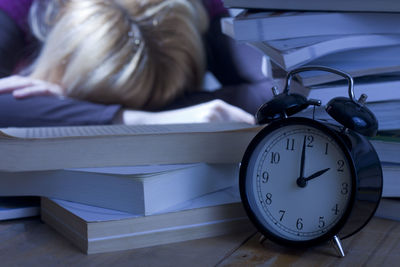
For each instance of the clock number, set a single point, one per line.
(335, 209)
(290, 144)
(282, 212)
(310, 140)
(321, 223)
(345, 188)
(275, 157)
(340, 164)
(299, 224)
(326, 148)
(265, 177)
(268, 199)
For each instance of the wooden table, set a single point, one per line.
(29, 242)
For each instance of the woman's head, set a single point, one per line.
(140, 53)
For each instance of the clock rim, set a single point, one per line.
(243, 172)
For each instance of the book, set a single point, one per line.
(389, 208)
(139, 189)
(358, 63)
(391, 179)
(387, 145)
(255, 26)
(291, 53)
(55, 148)
(19, 207)
(377, 88)
(95, 230)
(386, 112)
(317, 5)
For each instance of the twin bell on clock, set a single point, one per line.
(304, 181)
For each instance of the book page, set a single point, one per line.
(118, 130)
(97, 214)
(136, 170)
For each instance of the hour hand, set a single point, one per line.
(302, 181)
(316, 174)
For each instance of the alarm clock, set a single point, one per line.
(304, 181)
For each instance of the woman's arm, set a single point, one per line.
(212, 111)
(53, 111)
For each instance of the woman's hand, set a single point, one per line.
(213, 111)
(23, 87)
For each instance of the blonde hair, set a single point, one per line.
(139, 53)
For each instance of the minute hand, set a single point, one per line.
(316, 174)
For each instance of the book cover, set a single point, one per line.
(138, 189)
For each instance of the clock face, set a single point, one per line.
(297, 181)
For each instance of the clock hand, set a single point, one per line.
(316, 174)
(301, 181)
(303, 158)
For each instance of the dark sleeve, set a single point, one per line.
(52, 111)
(11, 44)
(231, 62)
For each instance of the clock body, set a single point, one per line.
(303, 182)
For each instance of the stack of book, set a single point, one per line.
(358, 37)
(108, 188)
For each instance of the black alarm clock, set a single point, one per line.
(304, 181)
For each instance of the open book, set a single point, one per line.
(53, 148)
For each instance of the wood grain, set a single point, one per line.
(29, 242)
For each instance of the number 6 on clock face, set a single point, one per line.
(297, 181)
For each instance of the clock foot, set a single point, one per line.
(338, 246)
(262, 239)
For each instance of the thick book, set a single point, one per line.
(358, 63)
(291, 53)
(138, 189)
(95, 230)
(389, 208)
(319, 5)
(386, 112)
(55, 148)
(257, 26)
(391, 179)
(387, 145)
(377, 88)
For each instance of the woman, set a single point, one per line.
(141, 54)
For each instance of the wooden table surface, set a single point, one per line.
(29, 242)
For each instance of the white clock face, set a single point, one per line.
(299, 182)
